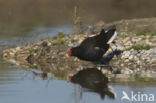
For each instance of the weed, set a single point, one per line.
(139, 47)
(147, 79)
(143, 32)
(31, 50)
(61, 34)
(153, 34)
(58, 41)
(73, 40)
(124, 35)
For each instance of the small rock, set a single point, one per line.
(120, 47)
(49, 44)
(127, 60)
(18, 49)
(122, 64)
(12, 54)
(131, 57)
(127, 71)
(126, 54)
(128, 43)
(5, 54)
(138, 54)
(134, 52)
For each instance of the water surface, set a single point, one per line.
(22, 86)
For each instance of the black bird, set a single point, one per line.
(93, 48)
(93, 80)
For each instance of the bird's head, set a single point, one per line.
(74, 51)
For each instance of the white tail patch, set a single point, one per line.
(112, 38)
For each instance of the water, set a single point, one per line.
(21, 86)
(36, 34)
(31, 20)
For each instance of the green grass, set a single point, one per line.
(141, 79)
(139, 47)
(124, 35)
(73, 40)
(144, 79)
(61, 34)
(153, 34)
(145, 33)
(58, 41)
(31, 50)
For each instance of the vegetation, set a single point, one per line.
(141, 79)
(31, 50)
(124, 35)
(145, 33)
(72, 40)
(58, 41)
(61, 34)
(139, 47)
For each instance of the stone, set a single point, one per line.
(12, 54)
(131, 57)
(49, 44)
(134, 52)
(139, 54)
(127, 60)
(18, 49)
(120, 47)
(122, 64)
(5, 54)
(126, 54)
(128, 43)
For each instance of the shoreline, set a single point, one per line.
(136, 38)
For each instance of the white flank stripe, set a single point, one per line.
(112, 38)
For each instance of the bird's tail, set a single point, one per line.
(102, 32)
(111, 34)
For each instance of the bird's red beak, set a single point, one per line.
(70, 78)
(70, 53)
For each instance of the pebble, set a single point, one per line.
(49, 44)
(12, 54)
(18, 49)
(134, 52)
(138, 54)
(128, 43)
(131, 57)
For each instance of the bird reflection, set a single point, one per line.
(93, 80)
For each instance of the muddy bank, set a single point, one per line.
(137, 61)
